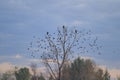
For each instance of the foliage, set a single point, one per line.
(9, 75)
(22, 74)
(41, 77)
(82, 69)
(34, 68)
(118, 78)
(100, 74)
(106, 75)
(5, 76)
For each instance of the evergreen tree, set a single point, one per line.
(81, 69)
(22, 74)
(41, 77)
(5, 76)
(106, 75)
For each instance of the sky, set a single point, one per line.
(20, 20)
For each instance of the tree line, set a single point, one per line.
(79, 69)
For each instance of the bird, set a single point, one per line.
(47, 33)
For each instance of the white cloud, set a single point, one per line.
(77, 22)
(6, 66)
(114, 73)
(86, 57)
(17, 56)
(38, 70)
(5, 35)
(13, 57)
(103, 67)
(40, 60)
(34, 60)
(18, 4)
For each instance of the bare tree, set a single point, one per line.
(58, 49)
(34, 69)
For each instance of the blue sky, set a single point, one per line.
(20, 20)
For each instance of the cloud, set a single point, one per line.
(86, 57)
(6, 66)
(17, 4)
(5, 35)
(17, 56)
(114, 73)
(103, 67)
(34, 60)
(38, 70)
(40, 60)
(77, 23)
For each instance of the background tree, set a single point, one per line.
(58, 49)
(22, 74)
(102, 75)
(9, 75)
(82, 69)
(66, 73)
(5, 76)
(99, 74)
(41, 77)
(106, 75)
(34, 69)
(51, 78)
(118, 78)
